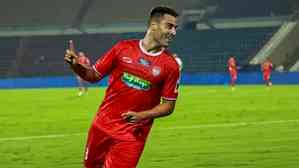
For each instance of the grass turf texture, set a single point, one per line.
(212, 127)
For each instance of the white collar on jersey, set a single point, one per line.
(148, 53)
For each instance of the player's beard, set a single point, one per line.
(166, 39)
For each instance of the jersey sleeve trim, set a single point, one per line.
(168, 98)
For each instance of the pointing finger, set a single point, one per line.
(72, 45)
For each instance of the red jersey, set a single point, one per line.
(84, 60)
(267, 67)
(137, 82)
(232, 66)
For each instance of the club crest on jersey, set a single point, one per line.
(126, 59)
(156, 70)
(144, 62)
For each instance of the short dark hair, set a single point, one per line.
(160, 11)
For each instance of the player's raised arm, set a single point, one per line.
(70, 54)
(86, 72)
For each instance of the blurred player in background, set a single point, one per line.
(267, 68)
(82, 84)
(178, 60)
(143, 85)
(233, 71)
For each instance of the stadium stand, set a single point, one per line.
(33, 44)
(201, 51)
(251, 8)
(208, 51)
(8, 54)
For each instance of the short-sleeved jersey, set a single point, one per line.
(137, 82)
(267, 67)
(232, 66)
(84, 60)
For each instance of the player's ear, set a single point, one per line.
(154, 25)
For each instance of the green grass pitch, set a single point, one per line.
(212, 127)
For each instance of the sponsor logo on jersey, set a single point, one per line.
(144, 62)
(127, 59)
(156, 70)
(135, 81)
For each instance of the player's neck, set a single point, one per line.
(150, 45)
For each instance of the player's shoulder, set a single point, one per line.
(174, 60)
(169, 56)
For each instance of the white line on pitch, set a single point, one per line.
(40, 137)
(168, 128)
(230, 124)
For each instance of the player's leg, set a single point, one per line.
(124, 154)
(80, 86)
(231, 78)
(97, 146)
(234, 78)
(85, 86)
(267, 79)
